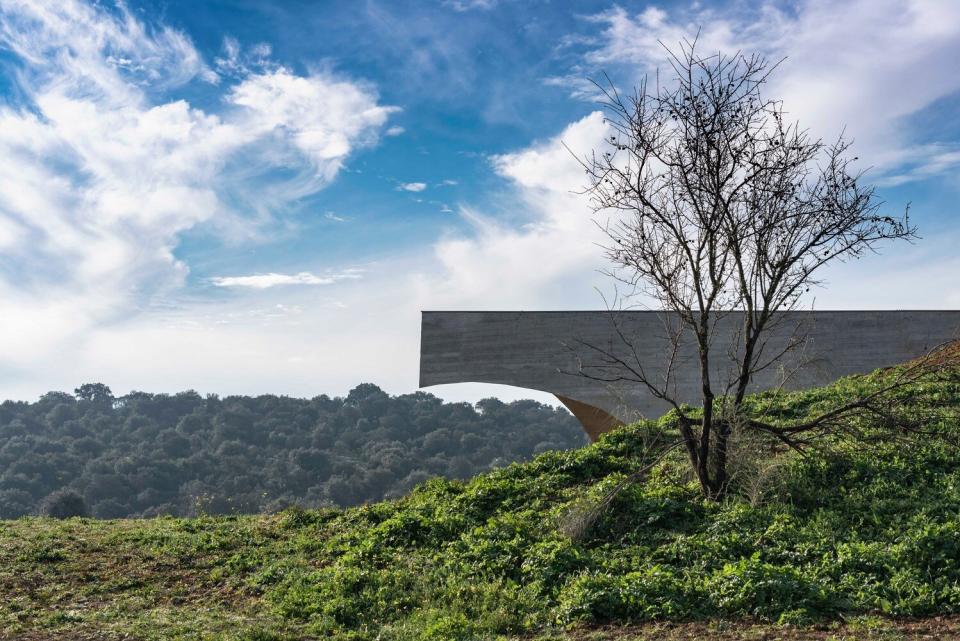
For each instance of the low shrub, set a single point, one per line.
(64, 504)
(655, 592)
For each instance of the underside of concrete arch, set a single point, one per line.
(594, 420)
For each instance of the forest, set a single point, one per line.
(144, 455)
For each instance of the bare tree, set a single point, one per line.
(719, 204)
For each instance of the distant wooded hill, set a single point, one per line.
(150, 454)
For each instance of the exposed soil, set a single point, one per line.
(933, 628)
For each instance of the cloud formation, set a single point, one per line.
(469, 5)
(265, 281)
(861, 67)
(100, 174)
(547, 260)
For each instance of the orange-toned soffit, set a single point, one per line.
(594, 420)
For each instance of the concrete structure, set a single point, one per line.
(544, 350)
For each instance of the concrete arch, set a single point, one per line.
(543, 350)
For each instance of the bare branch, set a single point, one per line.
(714, 203)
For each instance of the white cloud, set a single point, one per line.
(237, 61)
(99, 175)
(414, 187)
(323, 117)
(549, 261)
(110, 53)
(272, 279)
(396, 130)
(261, 50)
(640, 39)
(469, 5)
(862, 65)
(230, 62)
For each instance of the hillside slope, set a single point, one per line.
(859, 532)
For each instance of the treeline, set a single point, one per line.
(183, 454)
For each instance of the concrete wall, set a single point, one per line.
(542, 350)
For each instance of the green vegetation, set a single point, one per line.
(152, 454)
(857, 533)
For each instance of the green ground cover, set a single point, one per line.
(857, 542)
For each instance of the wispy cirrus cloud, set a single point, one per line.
(272, 279)
(412, 187)
(469, 5)
(238, 61)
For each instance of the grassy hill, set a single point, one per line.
(850, 541)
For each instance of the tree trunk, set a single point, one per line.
(693, 453)
(720, 478)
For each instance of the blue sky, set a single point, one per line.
(254, 196)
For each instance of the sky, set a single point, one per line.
(260, 196)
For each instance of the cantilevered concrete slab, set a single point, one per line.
(545, 350)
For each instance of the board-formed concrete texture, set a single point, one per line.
(544, 351)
